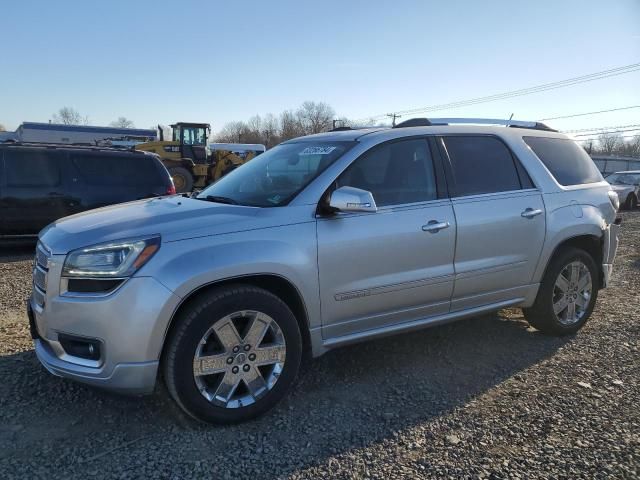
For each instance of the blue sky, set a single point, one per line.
(161, 62)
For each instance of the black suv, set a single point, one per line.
(42, 183)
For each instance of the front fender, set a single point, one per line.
(286, 251)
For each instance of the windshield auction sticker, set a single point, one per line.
(320, 150)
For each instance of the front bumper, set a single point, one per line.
(610, 247)
(130, 325)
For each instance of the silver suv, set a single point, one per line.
(321, 242)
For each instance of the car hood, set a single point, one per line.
(174, 218)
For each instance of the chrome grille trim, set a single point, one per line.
(42, 256)
(38, 296)
(40, 269)
(40, 278)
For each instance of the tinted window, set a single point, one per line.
(567, 162)
(32, 168)
(395, 173)
(481, 165)
(117, 170)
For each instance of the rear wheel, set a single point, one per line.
(233, 355)
(567, 294)
(182, 179)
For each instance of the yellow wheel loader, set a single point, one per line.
(190, 161)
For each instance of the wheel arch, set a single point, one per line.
(276, 284)
(588, 242)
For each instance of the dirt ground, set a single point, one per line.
(487, 397)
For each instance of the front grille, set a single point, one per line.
(42, 256)
(40, 269)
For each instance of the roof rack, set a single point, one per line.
(427, 122)
(71, 146)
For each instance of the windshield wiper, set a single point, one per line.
(217, 199)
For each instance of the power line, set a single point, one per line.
(596, 138)
(590, 113)
(617, 127)
(597, 134)
(521, 92)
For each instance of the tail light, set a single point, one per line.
(171, 190)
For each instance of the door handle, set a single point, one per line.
(434, 226)
(530, 212)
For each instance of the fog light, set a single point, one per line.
(80, 347)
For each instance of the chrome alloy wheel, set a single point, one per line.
(572, 293)
(239, 359)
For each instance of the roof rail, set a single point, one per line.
(492, 121)
(426, 122)
(72, 146)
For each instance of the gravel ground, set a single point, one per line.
(485, 398)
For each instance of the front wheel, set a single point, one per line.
(233, 355)
(567, 294)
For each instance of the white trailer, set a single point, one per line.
(79, 134)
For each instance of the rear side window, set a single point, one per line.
(567, 162)
(117, 170)
(36, 168)
(482, 165)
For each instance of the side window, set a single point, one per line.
(482, 165)
(567, 162)
(35, 168)
(116, 170)
(395, 173)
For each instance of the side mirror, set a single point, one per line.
(351, 199)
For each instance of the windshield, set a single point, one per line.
(273, 178)
(623, 178)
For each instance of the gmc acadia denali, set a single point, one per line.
(321, 242)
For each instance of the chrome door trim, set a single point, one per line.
(394, 287)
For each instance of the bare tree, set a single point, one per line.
(232, 132)
(289, 126)
(270, 130)
(311, 117)
(632, 147)
(315, 117)
(122, 122)
(609, 143)
(70, 116)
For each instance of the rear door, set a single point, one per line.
(36, 190)
(392, 266)
(500, 217)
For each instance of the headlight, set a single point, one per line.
(615, 200)
(111, 260)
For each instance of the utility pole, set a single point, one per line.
(393, 117)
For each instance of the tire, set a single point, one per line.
(631, 203)
(182, 179)
(542, 315)
(235, 393)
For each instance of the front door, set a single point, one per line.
(391, 266)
